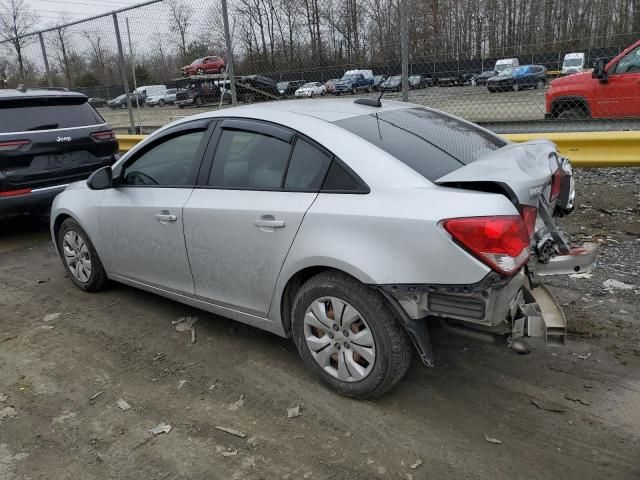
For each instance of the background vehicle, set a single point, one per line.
(448, 80)
(517, 78)
(310, 89)
(121, 101)
(392, 84)
(573, 63)
(415, 81)
(330, 85)
(197, 92)
(53, 138)
(318, 199)
(465, 78)
(289, 87)
(481, 78)
(354, 81)
(506, 63)
(168, 97)
(610, 90)
(97, 102)
(204, 65)
(377, 81)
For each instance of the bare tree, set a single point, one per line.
(16, 19)
(181, 16)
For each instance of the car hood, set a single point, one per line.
(500, 78)
(525, 168)
(572, 79)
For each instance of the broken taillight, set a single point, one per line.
(529, 215)
(103, 135)
(556, 185)
(501, 242)
(12, 145)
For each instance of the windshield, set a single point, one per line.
(572, 62)
(171, 91)
(501, 66)
(432, 143)
(282, 85)
(506, 72)
(393, 79)
(349, 78)
(414, 77)
(308, 85)
(196, 61)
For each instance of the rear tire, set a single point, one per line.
(390, 350)
(516, 87)
(571, 113)
(93, 280)
(354, 90)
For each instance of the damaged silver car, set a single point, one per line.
(349, 227)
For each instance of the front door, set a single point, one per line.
(620, 96)
(241, 222)
(141, 219)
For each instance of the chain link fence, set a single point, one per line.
(488, 61)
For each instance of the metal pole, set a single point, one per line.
(404, 47)
(133, 62)
(46, 60)
(123, 73)
(229, 46)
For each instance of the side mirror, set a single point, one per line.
(101, 179)
(599, 70)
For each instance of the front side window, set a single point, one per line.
(630, 63)
(169, 163)
(249, 160)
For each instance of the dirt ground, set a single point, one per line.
(67, 357)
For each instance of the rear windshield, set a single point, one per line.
(46, 114)
(431, 143)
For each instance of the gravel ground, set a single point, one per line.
(67, 358)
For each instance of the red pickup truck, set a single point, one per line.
(607, 91)
(204, 65)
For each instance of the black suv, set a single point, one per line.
(48, 139)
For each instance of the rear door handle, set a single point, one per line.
(166, 217)
(268, 221)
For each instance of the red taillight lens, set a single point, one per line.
(12, 145)
(13, 193)
(500, 242)
(529, 216)
(556, 184)
(103, 136)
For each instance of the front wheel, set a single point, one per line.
(516, 87)
(161, 103)
(354, 90)
(349, 336)
(80, 258)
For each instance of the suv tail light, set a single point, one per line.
(12, 145)
(556, 184)
(103, 136)
(529, 216)
(501, 242)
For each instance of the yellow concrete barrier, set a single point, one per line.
(584, 149)
(592, 149)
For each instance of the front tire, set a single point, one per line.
(349, 336)
(80, 258)
(354, 90)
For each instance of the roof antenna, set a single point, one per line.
(369, 102)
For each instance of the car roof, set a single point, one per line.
(7, 93)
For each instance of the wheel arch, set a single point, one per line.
(570, 101)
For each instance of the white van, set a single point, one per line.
(151, 90)
(506, 63)
(573, 63)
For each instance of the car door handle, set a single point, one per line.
(269, 221)
(166, 217)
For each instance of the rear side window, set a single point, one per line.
(431, 143)
(46, 114)
(307, 168)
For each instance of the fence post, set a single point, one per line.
(46, 60)
(123, 73)
(133, 63)
(404, 47)
(229, 46)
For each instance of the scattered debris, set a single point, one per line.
(46, 327)
(186, 324)
(231, 431)
(581, 275)
(231, 453)
(181, 384)
(236, 405)
(547, 406)
(406, 476)
(577, 400)
(212, 387)
(103, 306)
(293, 412)
(8, 412)
(160, 428)
(584, 357)
(613, 284)
(3, 398)
(417, 464)
(492, 440)
(159, 356)
(96, 395)
(122, 404)
(50, 317)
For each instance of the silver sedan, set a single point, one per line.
(349, 226)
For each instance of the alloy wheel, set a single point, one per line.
(76, 255)
(339, 339)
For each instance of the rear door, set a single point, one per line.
(141, 218)
(246, 210)
(61, 139)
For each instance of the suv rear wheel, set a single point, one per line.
(80, 258)
(348, 335)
